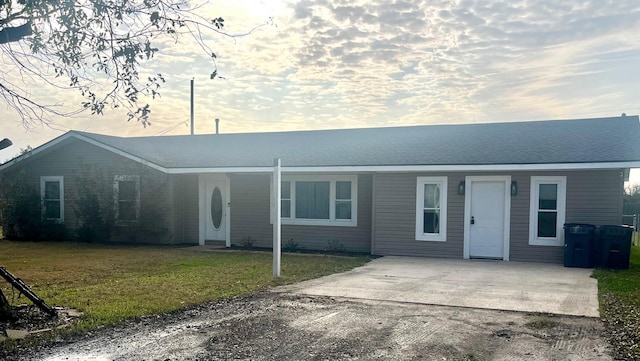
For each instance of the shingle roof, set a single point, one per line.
(540, 142)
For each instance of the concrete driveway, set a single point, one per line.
(377, 312)
(497, 285)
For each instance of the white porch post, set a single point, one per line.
(277, 194)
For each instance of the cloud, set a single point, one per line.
(341, 64)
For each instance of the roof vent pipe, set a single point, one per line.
(217, 123)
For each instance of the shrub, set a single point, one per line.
(53, 232)
(247, 242)
(292, 246)
(22, 216)
(20, 208)
(334, 246)
(21, 212)
(95, 206)
(95, 199)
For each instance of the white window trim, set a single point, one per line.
(116, 204)
(332, 221)
(420, 235)
(534, 240)
(59, 179)
(290, 199)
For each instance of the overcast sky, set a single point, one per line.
(349, 64)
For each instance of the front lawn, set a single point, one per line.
(619, 295)
(110, 283)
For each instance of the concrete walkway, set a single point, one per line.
(512, 286)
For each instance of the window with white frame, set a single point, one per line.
(431, 209)
(285, 199)
(547, 210)
(126, 198)
(52, 194)
(343, 200)
(319, 200)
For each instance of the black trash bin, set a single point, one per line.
(614, 246)
(579, 245)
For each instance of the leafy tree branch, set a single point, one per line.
(96, 47)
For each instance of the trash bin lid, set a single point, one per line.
(615, 229)
(579, 228)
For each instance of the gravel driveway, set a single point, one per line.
(281, 326)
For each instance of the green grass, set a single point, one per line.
(111, 283)
(622, 283)
(625, 283)
(619, 296)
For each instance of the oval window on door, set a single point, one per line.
(216, 208)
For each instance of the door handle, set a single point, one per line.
(473, 221)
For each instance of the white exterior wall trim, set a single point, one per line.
(201, 209)
(60, 180)
(442, 182)
(69, 135)
(561, 208)
(332, 221)
(202, 212)
(507, 212)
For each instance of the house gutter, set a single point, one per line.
(411, 168)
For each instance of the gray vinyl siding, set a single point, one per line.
(519, 248)
(395, 217)
(186, 210)
(250, 217)
(593, 197)
(69, 159)
(250, 205)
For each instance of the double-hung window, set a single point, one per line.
(547, 210)
(319, 200)
(126, 198)
(343, 200)
(285, 199)
(431, 209)
(52, 194)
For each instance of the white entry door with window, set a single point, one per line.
(213, 208)
(487, 212)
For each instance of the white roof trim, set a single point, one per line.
(413, 168)
(39, 149)
(71, 134)
(192, 170)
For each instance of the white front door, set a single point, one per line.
(487, 217)
(215, 211)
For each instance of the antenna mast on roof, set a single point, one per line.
(192, 120)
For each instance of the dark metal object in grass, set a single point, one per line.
(6, 311)
(25, 290)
